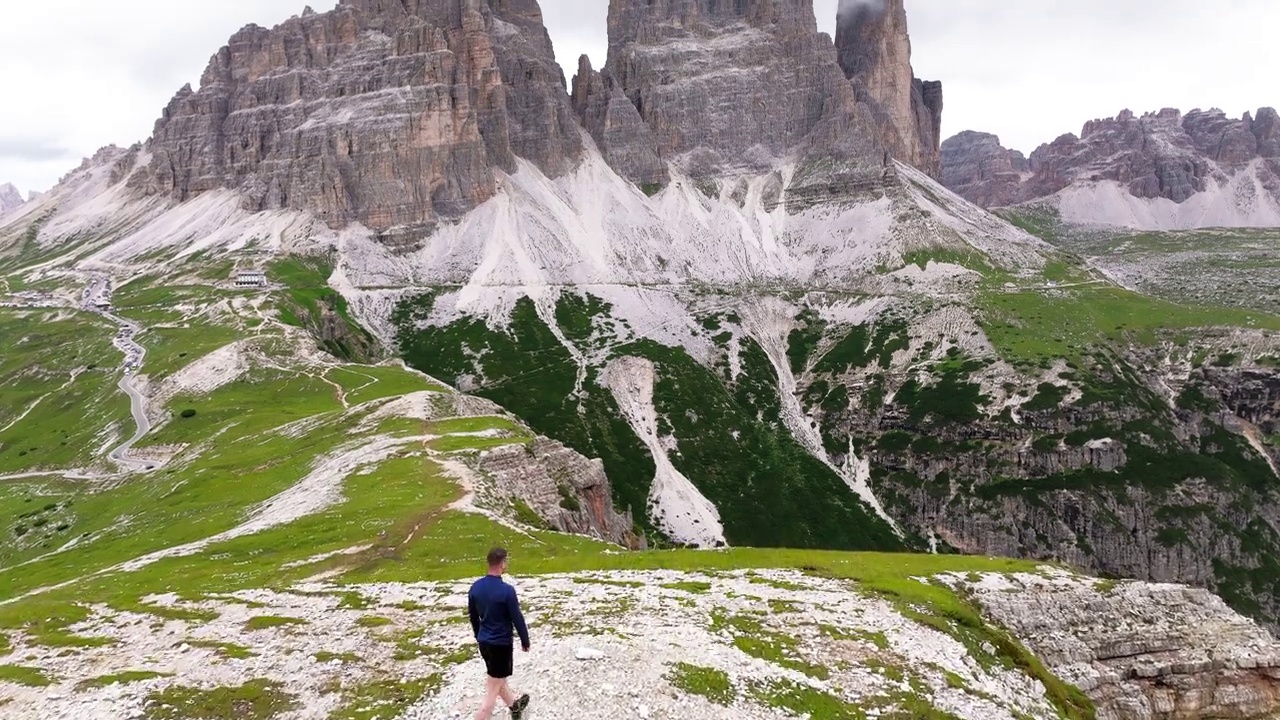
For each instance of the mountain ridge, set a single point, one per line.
(1158, 171)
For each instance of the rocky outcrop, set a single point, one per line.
(875, 54)
(615, 124)
(976, 166)
(568, 491)
(1157, 155)
(1140, 651)
(1148, 464)
(10, 198)
(391, 114)
(726, 88)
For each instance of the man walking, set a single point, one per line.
(494, 609)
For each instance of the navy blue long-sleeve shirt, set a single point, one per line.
(494, 609)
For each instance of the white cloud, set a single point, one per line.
(78, 75)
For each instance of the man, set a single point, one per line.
(494, 609)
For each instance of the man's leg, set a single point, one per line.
(505, 693)
(492, 689)
(516, 704)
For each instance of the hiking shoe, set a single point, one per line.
(517, 710)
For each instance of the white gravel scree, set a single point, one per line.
(605, 646)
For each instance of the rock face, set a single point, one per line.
(10, 198)
(566, 489)
(723, 88)
(397, 115)
(1194, 501)
(390, 114)
(979, 168)
(615, 123)
(1140, 651)
(875, 54)
(1157, 155)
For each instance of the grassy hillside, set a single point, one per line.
(246, 408)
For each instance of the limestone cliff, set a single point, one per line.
(1107, 475)
(619, 131)
(396, 115)
(980, 169)
(875, 54)
(390, 114)
(1140, 651)
(568, 491)
(1163, 155)
(723, 88)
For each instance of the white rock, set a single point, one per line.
(586, 653)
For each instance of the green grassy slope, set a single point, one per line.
(262, 432)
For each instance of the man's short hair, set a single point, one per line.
(497, 556)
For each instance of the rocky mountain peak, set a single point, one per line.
(10, 198)
(977, 166)
(401, 115)
(722, 87)
(875, 53)
(620, 133)
(393, 114)
(1164, 155)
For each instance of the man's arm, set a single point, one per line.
(517, 618)
(474, 612)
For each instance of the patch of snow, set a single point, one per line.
(934, 273)
(854, 313)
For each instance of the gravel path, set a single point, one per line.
(767, 635)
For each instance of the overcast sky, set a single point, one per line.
(79, 74)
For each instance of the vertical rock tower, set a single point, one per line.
(391, 113)
(717, 88)
(875, 54)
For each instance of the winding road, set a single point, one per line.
(97, 299)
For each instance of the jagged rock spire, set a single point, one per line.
(392, 113)
(875, 53)
(10, 198)
(730, 86)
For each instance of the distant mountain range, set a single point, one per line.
(1158, 171)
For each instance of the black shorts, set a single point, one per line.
(498, 660)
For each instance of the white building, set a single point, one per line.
(251, 279)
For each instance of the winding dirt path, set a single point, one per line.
(96, 299)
